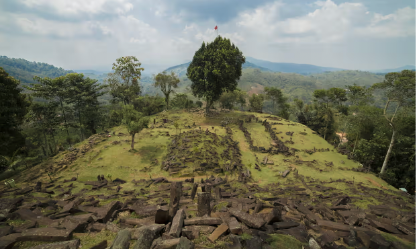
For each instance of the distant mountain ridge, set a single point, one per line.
(406, 67)
(303, 69)
(181, 69)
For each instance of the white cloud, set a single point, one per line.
(43, 27)
(75, 7)
(328, 23)
(399, 24)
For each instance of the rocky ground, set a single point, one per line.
(225, 209)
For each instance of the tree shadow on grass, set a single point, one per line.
(149, 153)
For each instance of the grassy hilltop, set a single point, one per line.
(105, 155)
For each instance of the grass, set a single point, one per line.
(88, 240)
(16, 222)
(392, 238)
(121, 162)
(281, 241)
(246, 236)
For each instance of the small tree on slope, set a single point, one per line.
(134, 121)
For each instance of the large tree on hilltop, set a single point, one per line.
(124, 81)
(13, 107)
(216, 67)
(167, 83)
(399, 88)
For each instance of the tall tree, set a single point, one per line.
(83, 93)
(358, 95)
(166, 83)
(216, 67)
(13, 107)
(134, 121)
(124, 81)
(275, 95)
(399, 88)
(337, 96)
(54, 90)
(44, 119)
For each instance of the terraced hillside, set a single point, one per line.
(231, 180)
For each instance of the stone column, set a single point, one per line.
(175, 195)
(203, 204)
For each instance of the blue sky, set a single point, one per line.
(80, 34)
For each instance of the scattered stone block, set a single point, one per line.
(71, 244)
(177, 223)
(175, 196)
(8, 241)
(192, 232)
(101, 245)
(379, 242)
(165, 244)
(122, 240)
(145, 235)
(254, 221)
(333, 225)
(45, 234)
(313, 244)
(162, 216)
(234, 226)
(203, 204)
(185, 244)
(203, 221)
(220, 230)
(285, 225)
(6, 230)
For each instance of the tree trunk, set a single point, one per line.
(133, 138)
(79, 120)
(53, 139)
(392, 142)
(65, 119)
(46, 144)
(167, 100)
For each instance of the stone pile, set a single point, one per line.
(176, 214)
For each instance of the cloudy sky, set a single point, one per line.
(80, 34)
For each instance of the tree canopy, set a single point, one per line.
(13, 107)
(216, 67)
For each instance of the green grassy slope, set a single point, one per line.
(108, 157)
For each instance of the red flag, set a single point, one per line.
(216, 27)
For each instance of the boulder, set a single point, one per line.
(313, 244)
(185, 244)
(165, 244)
(9, 240)
(6, 230)
(234, 226)
(379, 242)
(254, 221)
(122, 240)
(145, 235)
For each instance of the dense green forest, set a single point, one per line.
(24, 70)
(376, 113)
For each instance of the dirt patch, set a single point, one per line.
(342, 136)
(257, 89)
(375, 183)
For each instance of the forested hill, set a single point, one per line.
(342, 78)
(24, 70)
